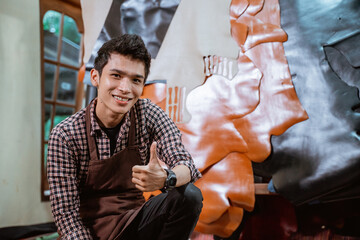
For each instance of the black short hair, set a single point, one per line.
(129, 45)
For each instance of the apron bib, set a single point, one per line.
(109, 201)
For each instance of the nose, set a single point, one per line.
(124, 85)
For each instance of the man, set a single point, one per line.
(102, 159)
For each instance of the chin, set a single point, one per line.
(121, 111)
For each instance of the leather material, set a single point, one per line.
(319, 159)
(234, 115)
(148, 19)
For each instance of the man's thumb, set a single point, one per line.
(153, 154)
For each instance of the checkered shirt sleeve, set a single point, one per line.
(170, 148)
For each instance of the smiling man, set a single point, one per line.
(102, 159)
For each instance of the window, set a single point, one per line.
(61, 62)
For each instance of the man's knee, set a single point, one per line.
(192, 198)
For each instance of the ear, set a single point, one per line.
(94, 77)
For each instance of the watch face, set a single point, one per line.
(172, 181)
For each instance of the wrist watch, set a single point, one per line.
(170, 181)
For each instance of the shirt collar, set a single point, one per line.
(95, 127)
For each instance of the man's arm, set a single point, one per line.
(171, 151)
(182, 173)
(63, 183)
(170, 148)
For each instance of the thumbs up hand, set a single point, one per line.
(150, 177)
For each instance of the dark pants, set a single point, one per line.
(172, 215)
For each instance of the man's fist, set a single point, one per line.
(150, 177)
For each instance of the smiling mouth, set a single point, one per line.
(122, 99)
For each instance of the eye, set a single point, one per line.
(115, 75)
(136, 80)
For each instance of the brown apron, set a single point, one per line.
(109, 200)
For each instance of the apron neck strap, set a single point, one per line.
(132, 131)
(91, 140)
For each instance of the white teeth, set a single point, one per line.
(121, 99)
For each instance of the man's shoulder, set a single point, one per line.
(146, 105)
(71, 123)
(151, 113)
(142, 102)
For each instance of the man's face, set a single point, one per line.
(119, 86)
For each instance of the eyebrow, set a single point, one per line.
(127, 74)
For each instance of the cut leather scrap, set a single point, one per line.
(238, 7)
(239, 31)
(258, 31)
(227, 183)
(225, 225)
(279, 106)
(225, 193)
(211, 135)
(255, 7)
(156, 92)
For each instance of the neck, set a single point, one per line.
(107, 119)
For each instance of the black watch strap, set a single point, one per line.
(170, 181)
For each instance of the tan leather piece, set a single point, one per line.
(156, 92)
(217, 147)
(279, 106)
(238, 7)
(225, 225)
(211, 134)
(240, 30)
(258, 31)
(221, 183)
(255, 6)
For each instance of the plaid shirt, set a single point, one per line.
(68, 157)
